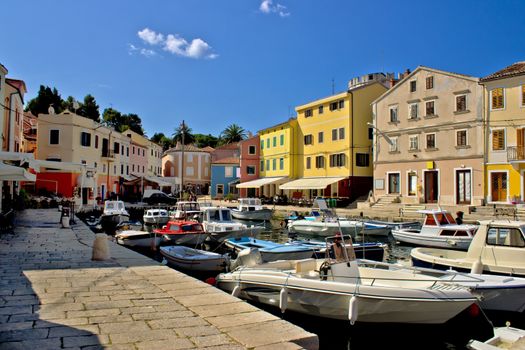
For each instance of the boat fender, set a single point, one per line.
(236, 291)
(283, 299)
(352, 310)
(477, 267)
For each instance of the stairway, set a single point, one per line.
(386, 201)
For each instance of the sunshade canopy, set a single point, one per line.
(261, 182)
(310, 183)
(15, 173)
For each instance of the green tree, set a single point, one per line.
(233, 133)
(67, 104)
(45, 98)
(132, 121)
(89, 108)
(113, 118)
(186, 130)
(202, 140)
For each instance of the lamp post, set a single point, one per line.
(182, 129)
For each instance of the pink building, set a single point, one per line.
(249, 164)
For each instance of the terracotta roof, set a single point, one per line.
(517, 68)
(208, 149)
(187, 148)
(234, 145)
(229, 160)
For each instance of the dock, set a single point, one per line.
(53, 296)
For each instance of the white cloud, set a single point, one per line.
(268, 7)
(175, 44)
(132, 50)
(149, 36)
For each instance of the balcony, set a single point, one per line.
(107, 155)
(516, 154)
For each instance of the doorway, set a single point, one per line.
(393, 183)
(85, 194)
(463, 186)
(431, 186)
(498, 182)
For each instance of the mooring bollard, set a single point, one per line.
(100, 247)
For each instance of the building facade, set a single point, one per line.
(504, 100)
(249, 165)
(335, 143)
(428, 142)
(224, 175)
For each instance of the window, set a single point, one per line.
(220, 189)
(274, 164)
(337, 160)
(413, 143)
(114, 170)
(362, 159)
(274, 143)
(133, 167)
(341, 104)
(267, 165)
(116, 147)
(341, 133)
(370, 133)
(461, 138)
(308, 162)
(320, 137)
(412, 184)
(413, 86)
(334, 134)
(281, 163)
(412, 111)
(431, 141)
(133, 149)
(96, 141)
(321, 109)
(96, 165)
(281, 141)
(498, 140)
(394, 145)
(262, 144)
(430, 83)
(461, 103)
(122, 150)
(85, 139)
(319, 162)
(393, 114)
(333, 106)
(250, 170)
(503, 236)
(251, 150)
(523, 95)
(262, 165)
(268, 142)
(121, 169)
(308, 113)
(308, 139)
(127, 151)
(228, 171)
(429, 107)
(54, 137)
(497, 98)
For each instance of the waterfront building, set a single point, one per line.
(225, 175)
(68, 137)
(197, 168)
(249, 166)
(29, 133)
(428, 142)
(504, 101)
(154, 159)
(335, 143)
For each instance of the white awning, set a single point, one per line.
(58, 165)
(15, 173)
(311, 183)
(88, 182)
(263, 181)
(157, 180)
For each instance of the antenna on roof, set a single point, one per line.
(333, 86)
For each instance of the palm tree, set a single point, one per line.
(183, 129)
(233, 133)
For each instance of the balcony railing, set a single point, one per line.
(107, 153)
(515, 153)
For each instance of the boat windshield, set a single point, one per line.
(190, 207)
(110, 205)
(450, 219)
(173, 227)
(226, 215)
(192, 227)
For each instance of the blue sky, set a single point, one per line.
(250, 62)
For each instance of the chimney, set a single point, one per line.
(407, 72)
(392, 82)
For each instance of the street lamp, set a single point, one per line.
(182, 129)
(387, 139)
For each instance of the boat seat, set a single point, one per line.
(306, 265)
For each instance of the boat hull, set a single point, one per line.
(156, 220)
(318, 228)
(255, 215)
(414, 237)
(202, 261)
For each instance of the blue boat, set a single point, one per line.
(271, 251)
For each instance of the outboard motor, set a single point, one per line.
(247, 257)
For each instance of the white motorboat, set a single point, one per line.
(156, 217)
(498, 293)
(383, 228)
(325, 225)
(271, 251)
(345, 290)
(497, 248)
(504, 338)
(186, 210)
(194, 259)
(136, 238)
(439, 230)
(252, 209)
(114, 213)
(217, 221)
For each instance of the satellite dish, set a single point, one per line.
(51, 110)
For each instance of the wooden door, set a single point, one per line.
(463, 187)
(499, 187)
(393, 183)
(520, 149)
(431, 187)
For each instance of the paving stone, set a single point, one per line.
(91, 299)
(81, 341)
(137, 310)
(25, 334)
(188, 292)
(177, 322)
(280, 346)
(40, 344)
(173, 344)
(162, 315)
(13, 326)
(90, 313)
(123, 327)
(226, 321)
(23, 317)
(108, 304)
(153, 302)
(152, 334)
(60, 307)
(61, 322)
(79, 330)
(196, 331)
(212, 340)
(16, 310)
(110, 319)
(223, 309)
(112, 347)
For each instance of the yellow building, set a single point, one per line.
(504, 102)
(335, 142)
(278, 164)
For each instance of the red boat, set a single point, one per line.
(181, 232)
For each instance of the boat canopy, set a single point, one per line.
(263, 181)
(311, 183)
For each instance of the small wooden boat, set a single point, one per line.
(270, 251)
(252, 209)
(194, 259)
(504, 338)
(156, 217)
(439, 230)
(181, 232)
